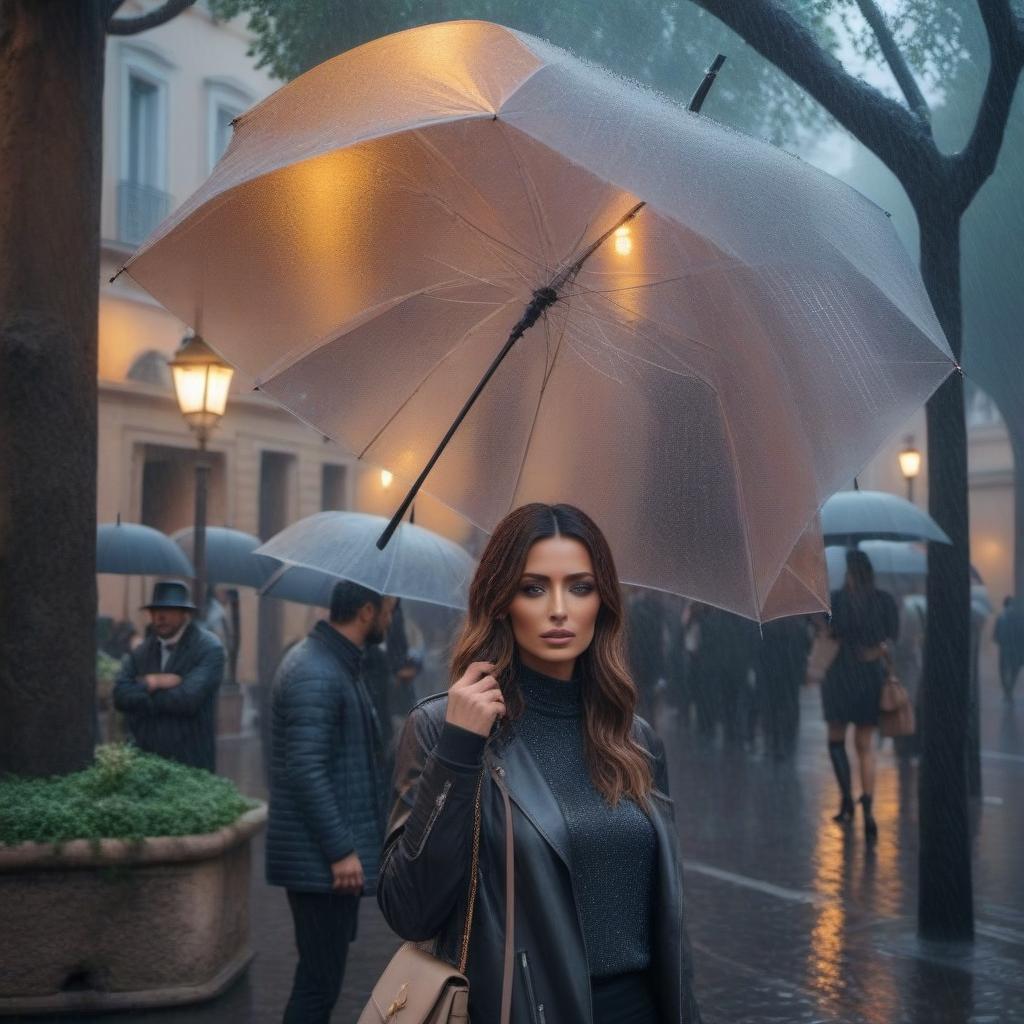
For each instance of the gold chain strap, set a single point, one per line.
(474, 865)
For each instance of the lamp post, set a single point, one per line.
(201, 382)
(910, 465)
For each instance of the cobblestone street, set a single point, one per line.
(793, 921)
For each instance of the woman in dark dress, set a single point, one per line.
(863, 619)
(541, 710)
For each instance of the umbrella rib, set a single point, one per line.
(455, 348)
(540, 400)
(542, 299)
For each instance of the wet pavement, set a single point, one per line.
(793, 920)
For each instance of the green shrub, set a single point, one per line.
(124, 794)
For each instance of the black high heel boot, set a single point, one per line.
(870, 825)
(841, 764)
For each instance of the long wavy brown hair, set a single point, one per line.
(618, 765)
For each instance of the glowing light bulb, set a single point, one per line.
(386, 478)
(623, 242)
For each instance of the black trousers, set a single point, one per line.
(325, 923)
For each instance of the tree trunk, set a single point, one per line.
(945, 905)
(51, 89)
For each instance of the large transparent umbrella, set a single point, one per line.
(461, 243)
(319, 550)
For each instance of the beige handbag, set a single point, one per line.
(896, 713)
(419, 988)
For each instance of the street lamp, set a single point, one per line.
(910, 465)
(201, 383)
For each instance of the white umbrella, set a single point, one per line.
(853, 516)
(887, 557)
(418, 564)
(715, 336)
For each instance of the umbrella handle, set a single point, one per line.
(705, 86)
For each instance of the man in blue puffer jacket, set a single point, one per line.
(328, 796)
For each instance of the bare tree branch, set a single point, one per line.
(895, 59)
(977, 160)
(899, 138)
(130, 26)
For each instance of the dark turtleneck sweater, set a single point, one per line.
(613, 850)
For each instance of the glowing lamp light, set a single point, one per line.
(910, 460)
(623, 241)
(386, 478)
(201, 383)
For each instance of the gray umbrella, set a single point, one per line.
(301, 585)
(849, 517)
(230, 556)
(418, 564)
(130, 549)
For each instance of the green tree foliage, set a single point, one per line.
(665, 46)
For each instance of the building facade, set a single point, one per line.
(170, 96)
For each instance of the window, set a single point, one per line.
(142, 198)
(143, 132)
(226, 102)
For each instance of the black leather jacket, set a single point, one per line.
(424, 882)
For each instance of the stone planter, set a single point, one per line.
(119, 925)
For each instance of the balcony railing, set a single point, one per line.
(139, 210)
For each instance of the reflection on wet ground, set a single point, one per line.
(793, 920)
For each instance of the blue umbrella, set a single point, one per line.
(230, 556)
(849, 517)
(130, 549)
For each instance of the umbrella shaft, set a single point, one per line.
(542, 299)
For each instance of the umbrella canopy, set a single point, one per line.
(715, 336)
(230, 556)
(849, 517)
(418, 564)
(130, 549)
(888, 558)
(301, 585)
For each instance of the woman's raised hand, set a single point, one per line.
(474, 701)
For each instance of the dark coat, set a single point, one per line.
(327, 791)
(424, 879)
(179, 723)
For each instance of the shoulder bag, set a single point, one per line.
(420, 988)
(895, 711)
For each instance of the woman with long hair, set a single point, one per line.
(541, 709)
(863, 619)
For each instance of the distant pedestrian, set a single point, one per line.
(328, 795)
(645, 648)
(1009, 636)
(781, 670)
(863, 619)
(168, 684)
(727, 649)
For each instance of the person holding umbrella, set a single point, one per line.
(863, 619)
(541, 714)
(168, 684)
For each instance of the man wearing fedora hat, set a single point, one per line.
(168, 685)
